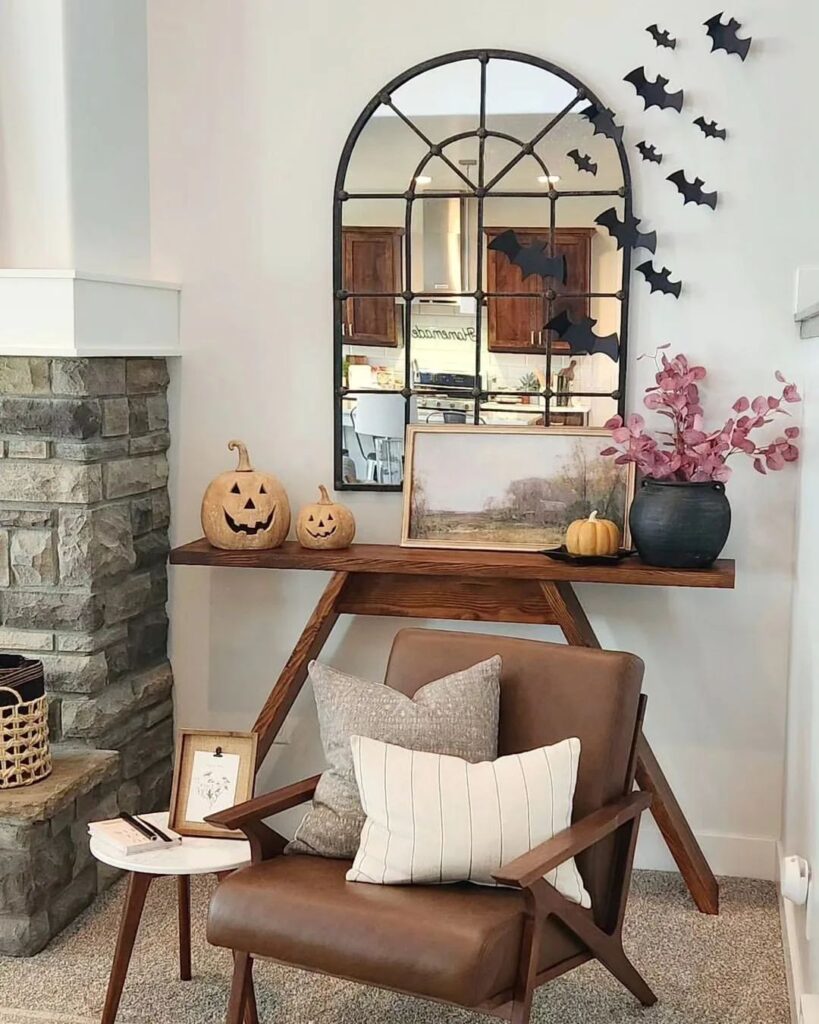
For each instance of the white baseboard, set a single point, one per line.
(733, 855)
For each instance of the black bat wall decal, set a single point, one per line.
(724, 37)
(602, 120)
(654, 94)
(532, 259)
(583, 161)
(626, 232)
(649, 153)
(710, 129)
(692, 191)
(660, 280)
(661, 37)
(581, 338)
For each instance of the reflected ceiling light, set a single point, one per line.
(423, 179)
(548, 179)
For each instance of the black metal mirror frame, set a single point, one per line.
(480, 190)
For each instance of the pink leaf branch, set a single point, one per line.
(687, 450)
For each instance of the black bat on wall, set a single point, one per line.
(660, 280)
(710, 129)
(602, 120)
(655, 94)
(661, 37)
(649, 153)
(627, 232)
(532, 259)
(724, 37)
(692, 191)
(583, 161)
(581, 338)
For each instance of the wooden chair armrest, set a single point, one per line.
(529, 867)
(263, 806)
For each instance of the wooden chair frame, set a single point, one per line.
(525, 872)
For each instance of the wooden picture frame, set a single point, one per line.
(461, 507)
(196, 751)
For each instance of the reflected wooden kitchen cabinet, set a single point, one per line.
(372, 263)
(517, 324)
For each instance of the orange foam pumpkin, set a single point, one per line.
(593, 536)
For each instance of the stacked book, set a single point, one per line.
(129, 834)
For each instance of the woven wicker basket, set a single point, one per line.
(25, 754)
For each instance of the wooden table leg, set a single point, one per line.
(313, 637)
(676, 831)
(668, 814)
(183, 894)
(138, 885)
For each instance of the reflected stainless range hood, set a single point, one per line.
(450, 229)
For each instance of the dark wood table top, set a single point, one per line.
(390, 558)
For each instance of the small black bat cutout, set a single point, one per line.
(627, 232)
(661, 37)
(710, 129)
(581, 338)
(724, 37)
(532, 259)
(660, 280)
(655, 94)
(649, 153)
(602, 120)
(583, 161)
(692, 191)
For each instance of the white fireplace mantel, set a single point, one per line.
(73, 313)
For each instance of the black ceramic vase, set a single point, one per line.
(680, 525)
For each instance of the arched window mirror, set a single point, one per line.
(469, 263)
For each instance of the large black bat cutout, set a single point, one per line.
(583, 161)
(692, 191)
(710, 129)
(532, 259)
(724, 37)
(626, 232)
(660, 280)
(661, 37)
(649, 153)
(602, 120)
(581, 338)
(655, 94)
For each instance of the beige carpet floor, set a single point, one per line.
(705, 970)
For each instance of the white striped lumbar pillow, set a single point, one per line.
(433, 819)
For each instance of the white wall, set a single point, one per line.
(801, 815)
(74, 136)
(250, 106)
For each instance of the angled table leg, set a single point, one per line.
(668, 814)
(183, 896)
(138, 885)
(313, 637)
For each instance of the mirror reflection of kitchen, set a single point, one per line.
(448, 257)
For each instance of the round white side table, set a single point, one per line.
(191, 857)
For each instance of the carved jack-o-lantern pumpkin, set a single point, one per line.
(245, 509)
(325, 524)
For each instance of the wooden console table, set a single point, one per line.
(478, 586)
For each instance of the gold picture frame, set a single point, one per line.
(457, 478)
(212, 771)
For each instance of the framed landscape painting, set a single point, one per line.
(508, 488)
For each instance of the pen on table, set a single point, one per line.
(137, 824)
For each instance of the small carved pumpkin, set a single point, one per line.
(325, 524)
(245, 509)
(593, 536)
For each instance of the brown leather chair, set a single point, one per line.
(485, 949)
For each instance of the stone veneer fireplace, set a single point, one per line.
(84, 515)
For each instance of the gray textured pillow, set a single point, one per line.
(456, 715)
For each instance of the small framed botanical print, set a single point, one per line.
(213, 771)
